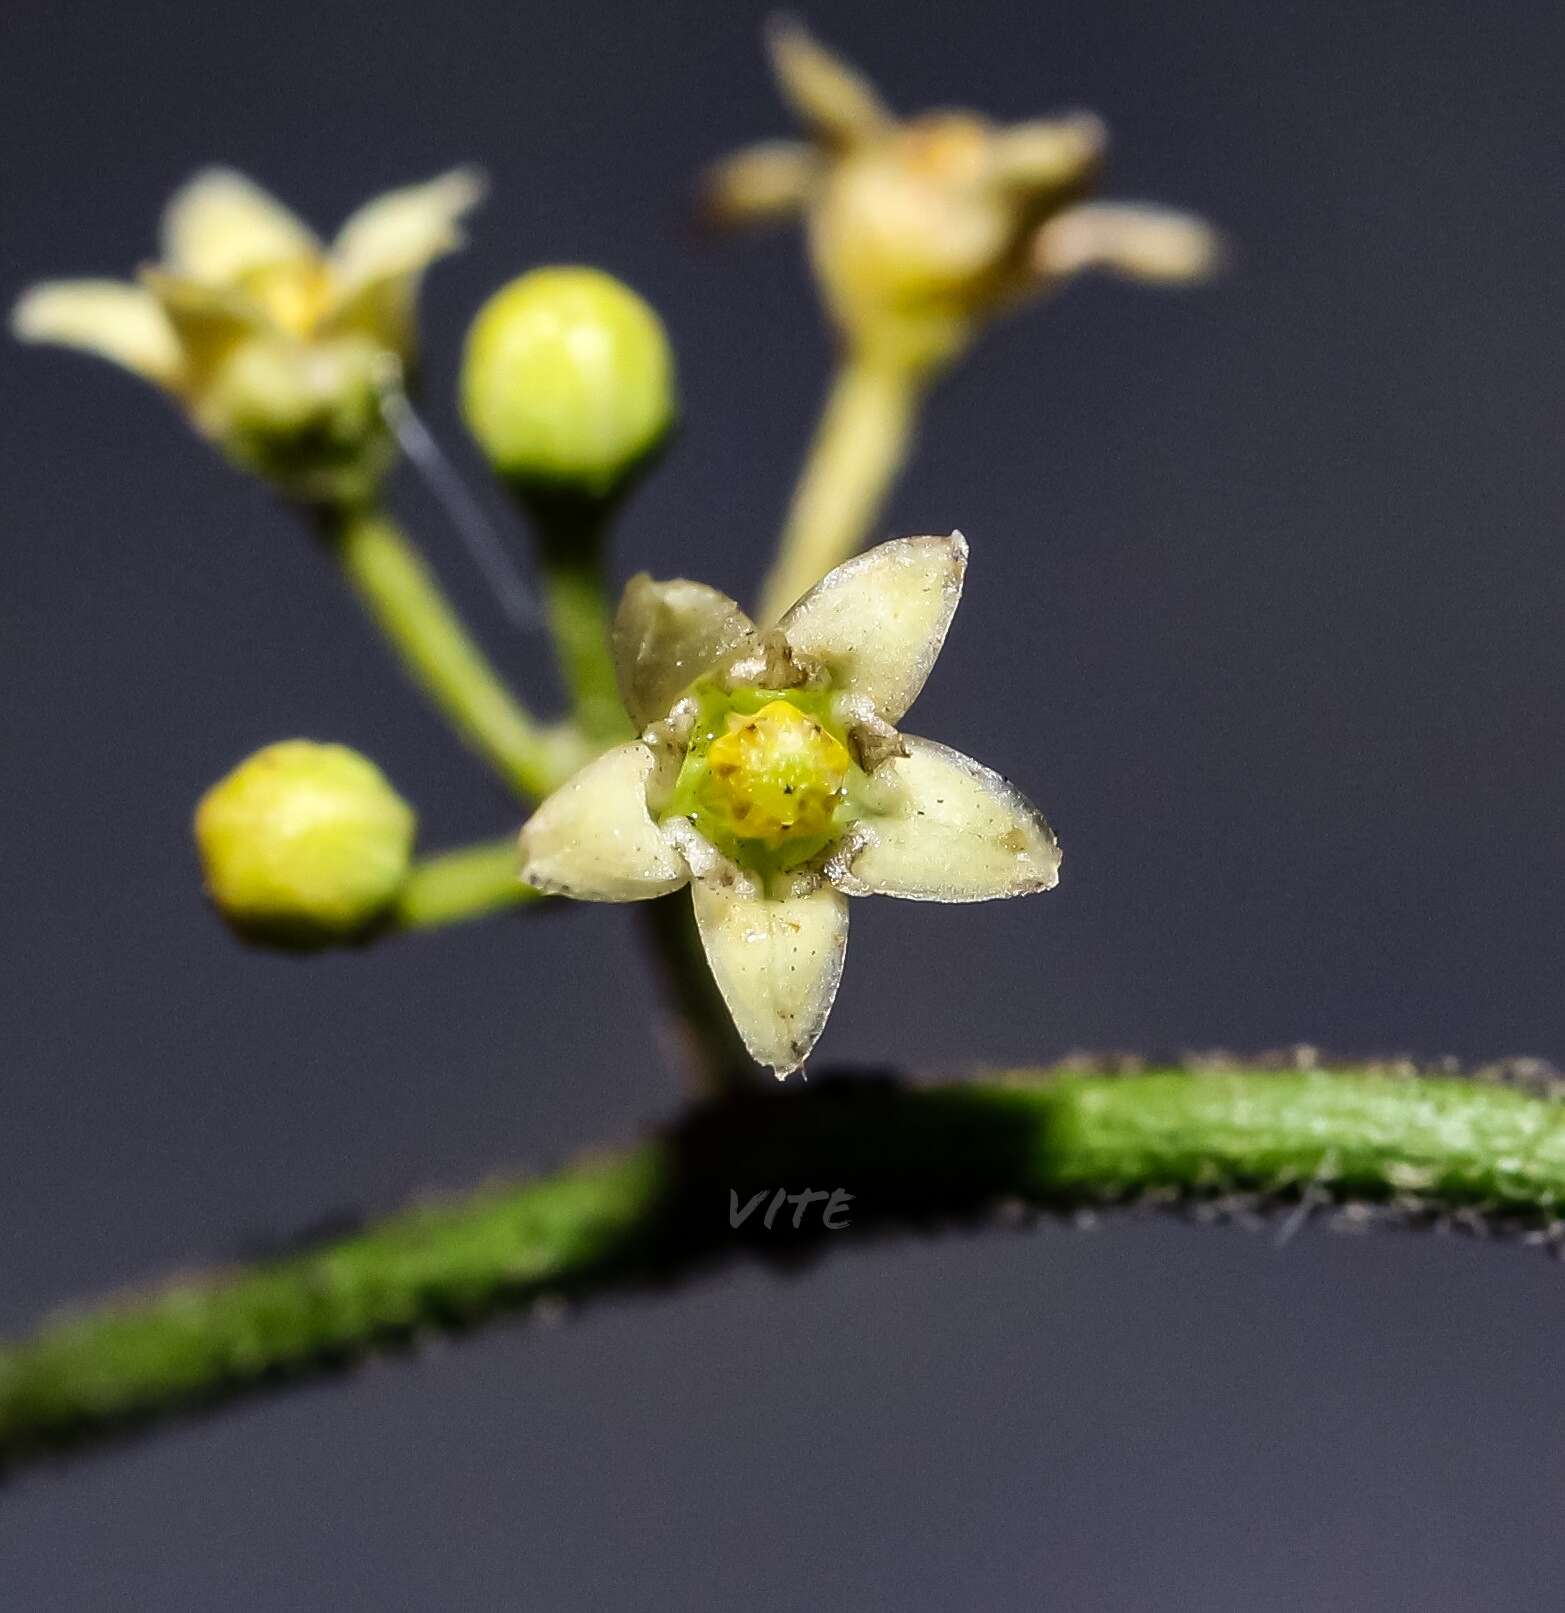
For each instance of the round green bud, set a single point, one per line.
(304, 844)
(568, 381)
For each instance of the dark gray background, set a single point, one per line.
(1264, 609)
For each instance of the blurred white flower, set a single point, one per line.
(922, 228)
(276, 345)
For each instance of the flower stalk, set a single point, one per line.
(911, 1156)
(922, 231)
(400, 593)
(572, 536)
(695, 1019)
(468, 882)
(858, 451)
(572, 532)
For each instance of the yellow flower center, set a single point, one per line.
(295, 292)
(948, 147)
(775, 776)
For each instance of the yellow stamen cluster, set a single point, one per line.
(296, 293)
(775, 776)
(948, 146)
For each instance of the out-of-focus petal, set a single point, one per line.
(1153, 244)
(834, 101)
(760, 184)
(117, 321)
(208, 320)
(941, 827)
(594, 838)
(383, 249)
(220, 225)
(777, 962)
(666, 634)
(1047, 154)
(404, 230)
(877, 622)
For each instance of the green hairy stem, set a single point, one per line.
(909, 1156)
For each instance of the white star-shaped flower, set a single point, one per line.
(770, 778)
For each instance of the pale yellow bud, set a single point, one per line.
(304, 844)
(568, 382)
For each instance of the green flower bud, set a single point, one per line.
(568, 382)
(305, 415)
(304, 844)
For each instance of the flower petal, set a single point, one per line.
(208, 321)
(760, 184)
(381, 253)
(1049, 154)
(119, 322)
(666, 634)
(220, 225)
(777, 962)
(834, 101)
(594, 838)
(404, 230)
(943, 828)
(877, 622)
(1142, 243)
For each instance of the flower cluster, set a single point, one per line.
(276, 346)
(770, 778)
(768, 773)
